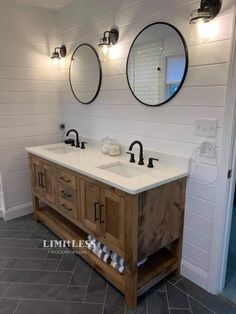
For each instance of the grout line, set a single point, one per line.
(192, 297)
(86, 290)
(146, 301)
(189, 304)
(50, 300)
(59, 263)
(72, 273)
(105, 297)
(176, 282)
(34, 270)
(167, 300)
(17, 306)
(3, 296)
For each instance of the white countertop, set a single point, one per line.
(86, 161)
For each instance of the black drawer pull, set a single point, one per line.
(64, 194)
(65, 180)
(100, 214)
(64, 206)
(95, 211)
(39, 179)
(43, 176)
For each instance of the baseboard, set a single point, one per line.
(18, 211)
(194, 274)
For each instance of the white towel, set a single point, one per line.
(117, 267)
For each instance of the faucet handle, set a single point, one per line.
(150, 162)
(83, 145)
(131, 156)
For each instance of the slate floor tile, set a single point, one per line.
(41, 277)
(157, 303)
(179, 311)
(96, 289)
(161, 286)
(45, 292)
(176, 297)
(141, 307)
(3, 288)
(197, 308)
(55, 307)
(81, 274)
(15, 234)
(32, 264)
(213, 302)
(114, 303)
(4, 261)
(8, 306)
(68, 262)
(19, 243)
(37, 280)
(23, 253)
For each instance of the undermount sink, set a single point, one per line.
(122, 169)
(61, 149)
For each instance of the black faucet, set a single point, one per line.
(77, 136)
(141, 159)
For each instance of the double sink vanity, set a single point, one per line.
(135, 210)
(135, 207)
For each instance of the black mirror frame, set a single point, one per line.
(186, 63)
(100, 74)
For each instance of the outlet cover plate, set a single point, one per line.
(206, 127)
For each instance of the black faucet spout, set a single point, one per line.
(76, 134)
(141, 159)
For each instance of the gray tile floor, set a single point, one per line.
(230, 285)
(33, 281)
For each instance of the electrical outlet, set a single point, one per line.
(208, 149)
(206, 127)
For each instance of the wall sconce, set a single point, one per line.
(58, 53)
(207, 11)
(109, 38)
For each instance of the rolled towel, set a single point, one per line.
(116, 258)
(91, 238)
(99, 253)
(142, 262)
(118, 267)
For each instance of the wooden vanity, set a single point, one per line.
(148, 224)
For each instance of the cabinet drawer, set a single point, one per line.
(67, 179)
(67, 193)
(67, 207)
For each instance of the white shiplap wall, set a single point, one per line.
(169, 128)
(29, 97)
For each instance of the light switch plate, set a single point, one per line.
(206, 127)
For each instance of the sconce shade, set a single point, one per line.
(208, 10)
(109, 38)
(60, 54)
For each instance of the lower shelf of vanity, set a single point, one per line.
(157, 267)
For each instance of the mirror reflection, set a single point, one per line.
(85, 74)
(157, 64)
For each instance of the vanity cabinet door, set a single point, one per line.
(112, 220)
(37, 174)
(49, 183)
(90, 200)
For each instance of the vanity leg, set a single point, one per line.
(176, 250)
(131, 252)
(35, 202)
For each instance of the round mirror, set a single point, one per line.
(85, 74)
(157, 64)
